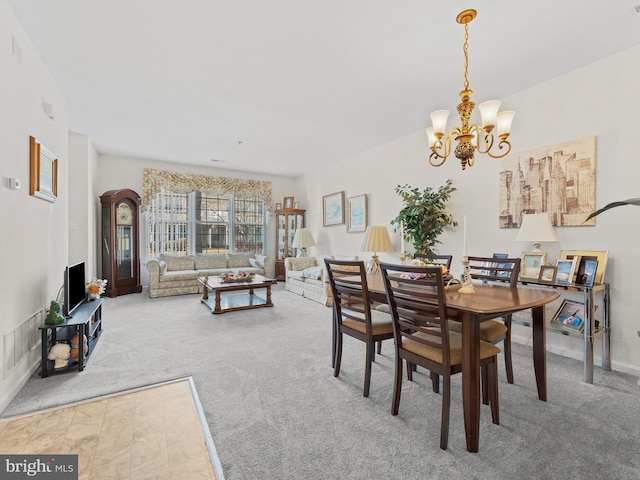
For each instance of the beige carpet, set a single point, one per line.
(153, 432)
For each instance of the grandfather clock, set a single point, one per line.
(121, 242)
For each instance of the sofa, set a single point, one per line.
(178, 274)
(307, 276)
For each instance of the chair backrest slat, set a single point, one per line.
(348, 280)
(491, 269)
(445, 260)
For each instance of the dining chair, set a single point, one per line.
(422, 337)
(352, 313)
(445, 260)
(496, 270)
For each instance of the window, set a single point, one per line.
(184, 224)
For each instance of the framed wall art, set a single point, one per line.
(531, 263)
(586, 272)
(43, 171)
(565, 270)
(333, 209)
(559, 180)
(357, 214)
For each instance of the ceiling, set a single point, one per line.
(285, 86)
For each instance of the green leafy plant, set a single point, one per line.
(630, 201)
(424, 216)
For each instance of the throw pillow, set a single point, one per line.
(298, 264)
(312, 272)
(256, 263)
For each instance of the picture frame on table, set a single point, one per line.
(570, 317)
(586, 272)
(43, 171)
(296, 205)
(600, 255)
(565, 271)
(357, 214)
(288, 202)
(548, 273)
(333, 209)
(531, 263)
(278, 206)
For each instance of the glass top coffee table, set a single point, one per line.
(229, 297)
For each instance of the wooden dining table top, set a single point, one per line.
(488, 299)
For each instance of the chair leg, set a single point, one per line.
(485, 385)
(397, 385)
(338, 359)
(367, 368)
(379, 347)
(507, 357)
(435, 382)
(409, 371)
(446, 404)
(492, 375)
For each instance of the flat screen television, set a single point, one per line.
(75, 291)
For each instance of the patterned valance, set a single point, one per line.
(153, 180)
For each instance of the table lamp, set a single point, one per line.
(301, 240)
(376, 240)
(536, 228)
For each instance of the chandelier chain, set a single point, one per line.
(466, 56)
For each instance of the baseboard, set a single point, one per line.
(578, 355)
(6, 399)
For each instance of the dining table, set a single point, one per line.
(489, 301)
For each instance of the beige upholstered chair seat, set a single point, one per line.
(380, 323)
(490, 330)
(487, 350)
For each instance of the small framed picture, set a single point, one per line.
(333, 209)
(548, 273)
(278, 206)
(296, 205)
(531, 263)
(288, 202)
(599, 255)
(357, 214)
(587, 272)
(565, 270)
(43, 171)
(570, 316)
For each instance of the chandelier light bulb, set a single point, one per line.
(504, 122)
(488, 113)
(439, 120)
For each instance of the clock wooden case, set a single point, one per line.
(121, 241)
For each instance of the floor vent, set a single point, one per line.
(20, 342)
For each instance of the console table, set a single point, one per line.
(85, 320)
(591, 331)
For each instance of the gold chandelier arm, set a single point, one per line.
(503, 144)
(485, 139)
(442, 148)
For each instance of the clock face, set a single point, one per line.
(123, 214)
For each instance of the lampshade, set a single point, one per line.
(303, 238)
(536, 228)
(376, 240)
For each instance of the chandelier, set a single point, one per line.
(469, 137)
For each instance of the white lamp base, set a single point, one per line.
(373, 267)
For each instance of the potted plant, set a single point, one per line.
(630, 201)
(424, 216)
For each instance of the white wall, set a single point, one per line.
(33, 244)
(594, 100)
(121, 172)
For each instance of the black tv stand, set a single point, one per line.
(86, 321)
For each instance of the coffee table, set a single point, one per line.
(237, 296)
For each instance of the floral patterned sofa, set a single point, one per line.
(178, 274)
(307, 276)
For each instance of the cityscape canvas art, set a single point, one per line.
(559, 180)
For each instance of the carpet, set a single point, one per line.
(276, 411)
